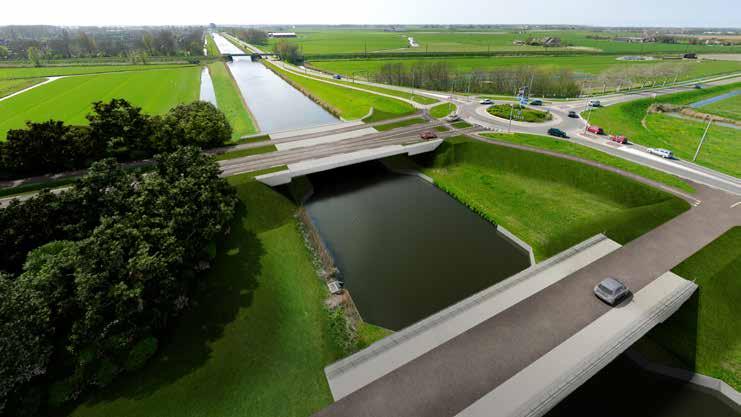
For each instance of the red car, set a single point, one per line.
(596, 130)
(427, 135)
(619, 139)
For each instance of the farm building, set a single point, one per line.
(281, 34)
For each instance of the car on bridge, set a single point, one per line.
(427, 135)
(486, 101)
(619, 139)
(558, 133)
(595, 129)
(664, 153)
(573, 115)
(611, 291)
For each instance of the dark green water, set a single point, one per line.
(406, 249)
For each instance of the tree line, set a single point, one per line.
(91, 277)
(439, 75)
(116, 129)
(19, 43)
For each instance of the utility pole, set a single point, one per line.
(511, 111)
(702, 139)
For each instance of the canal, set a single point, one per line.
(274, 103)
(404, 248)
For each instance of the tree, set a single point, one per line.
(124, 128)
(4, 52)
(34, 56)
(289, 52)
(254, 36)
(198, 124)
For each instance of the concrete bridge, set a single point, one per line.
(254, 55)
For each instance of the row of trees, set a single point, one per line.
(92, 42)
(116, 129)
(289, 52)
(91, 277)
(626, 76)
(253, 36)
(438, 75)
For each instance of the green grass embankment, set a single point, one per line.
(705, 333)
(519, 113)
(568, 148)
(245, 152)
(344, 102)
(230, 101)
(721, 150)
(729, 108)
(211, 47)
(70, 99)
(403, 123)
(8, 87)
(255, 341)
(550, 203)
(442, 110)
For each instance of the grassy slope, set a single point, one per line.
(70, 99)
(8, 87)
(720, 151)
(730, 107)
(230, 101)
(403, 123)
(589, 64)
(396, 93)
(32, 72)
(369, 334)
(211, 47)
(256, 343)
(350, 104)
(706, 332)
(550, 203)
(566, 147)
(442, 110)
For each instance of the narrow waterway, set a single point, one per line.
(405, 249)
(712, 100)
(207, 88)
(274, 103)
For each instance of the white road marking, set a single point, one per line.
(48, 80)
(670, 163)
(736, 204)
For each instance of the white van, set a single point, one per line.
(661, 152)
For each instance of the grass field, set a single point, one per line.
(331, 41)
(70, 99)
(211, 47)
(721, 150)
(257, 340)
(569, 148)
(403, 123)
(706, 332)
(583, 64)
(8, 87)
(442, 110)
(7, 73)
(396, 93)
(550, 203)
(245, 152)
(519, 113)
(347, 103)
(730, 107)
(230, 101)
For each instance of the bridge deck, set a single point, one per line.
(449, 378)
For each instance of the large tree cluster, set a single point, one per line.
(116, 129)
(90, 277)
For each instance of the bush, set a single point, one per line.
(141, 353)
(198, 124)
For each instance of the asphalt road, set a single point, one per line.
(452, 376)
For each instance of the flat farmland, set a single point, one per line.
(588, 64)
(8, 73)
(315, 42)
(8, 87)
(70, 99)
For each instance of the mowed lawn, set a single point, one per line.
(230, 101)
(257, 340)
(8, 87)
(550, 203)
(721, 150)
(70, 99)
(705, 334)
(348, 103)
(584, 64)
(730, 107)
(51, 71)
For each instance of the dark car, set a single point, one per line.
(573, 115)
(536, 102)
(337, 77)
(428, 135)
(557, 132)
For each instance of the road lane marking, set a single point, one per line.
(736, 204)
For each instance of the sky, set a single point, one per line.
(676, 13)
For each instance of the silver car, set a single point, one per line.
(611, 291)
